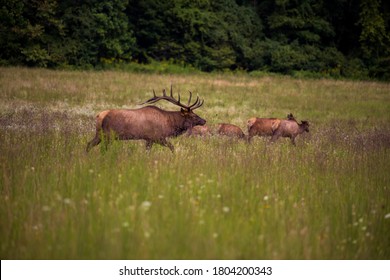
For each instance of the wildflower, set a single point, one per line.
(387, 216)
(67, 200)
(215, 235)
(265, 198)
(125, 224)
(146, 205)
(226, 209)
(45, 208)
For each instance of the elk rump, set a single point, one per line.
(230, 130)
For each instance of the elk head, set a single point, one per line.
(186, 111)
(305, 126)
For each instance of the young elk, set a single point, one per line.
(199, 130)
(291, 129)
(150, 123)
(264, 126)
(230, 130)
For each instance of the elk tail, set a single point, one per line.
(250, 122)
(99, 120)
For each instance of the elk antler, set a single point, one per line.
(177, 102)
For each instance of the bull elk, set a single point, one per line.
(150, 123)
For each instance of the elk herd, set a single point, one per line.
(155, 125)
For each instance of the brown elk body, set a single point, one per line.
(230, 130)
(264, 126)
(150, 123)
(199, 130)
(290, 129)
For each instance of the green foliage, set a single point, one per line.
(29, 32)
(374, 38)
(283, 36)
(96, 31)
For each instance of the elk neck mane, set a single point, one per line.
(175, 118)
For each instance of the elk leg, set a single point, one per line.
(274, 137)
(148, 145)
(165, 143)
(94, 142)
(293, 140)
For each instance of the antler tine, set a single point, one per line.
(189, 100)
(196, 101)
(172, 100)
(178, 100)
(152, 100)
(197, 104)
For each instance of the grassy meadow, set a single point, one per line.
(214, 198)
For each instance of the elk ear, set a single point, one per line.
(183, 112)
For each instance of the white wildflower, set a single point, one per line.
(67, 201)
(146, 205)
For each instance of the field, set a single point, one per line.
(214, 198)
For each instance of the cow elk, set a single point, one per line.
(264, 126)
(290, 129)
(230, 130)
(199, 130)
(150, 123)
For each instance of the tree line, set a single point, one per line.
(337, 38)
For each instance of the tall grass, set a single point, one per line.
(214, 198)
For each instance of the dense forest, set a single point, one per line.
(334, 38)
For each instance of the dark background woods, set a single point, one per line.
(336, 38)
